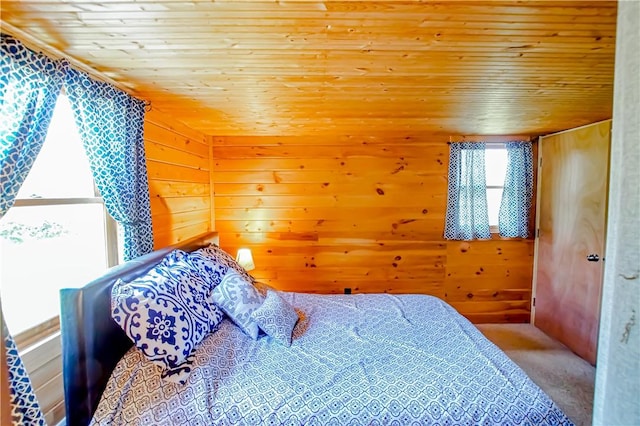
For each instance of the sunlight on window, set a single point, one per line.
(496, 169)
(61, 169)
(49, 246)
(44, 249)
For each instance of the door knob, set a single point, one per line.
(593, 258)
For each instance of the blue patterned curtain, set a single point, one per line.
(29, 86)
(25, 409)
(111, 125)
(513, 220)
(467, 214)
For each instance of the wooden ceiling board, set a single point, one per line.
(344, 67)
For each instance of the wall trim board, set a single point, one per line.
(36, 44)
(536, 235)
(489, 138)
(576, 128)
(212, 192)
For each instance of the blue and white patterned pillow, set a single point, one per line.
(238, 299)
(276, 317)
(166, 313)
(173, 257)
(213, 263)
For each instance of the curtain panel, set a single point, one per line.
(25, 409)
(111, 127)
(29, 87)
(110, 124)
(467, 212)
(513, 219)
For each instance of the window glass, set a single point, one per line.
(44, 249)
(49, 246)
(496, 170)
(61, 169)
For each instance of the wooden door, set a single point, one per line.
(571, 222)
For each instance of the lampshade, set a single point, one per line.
(245, 259)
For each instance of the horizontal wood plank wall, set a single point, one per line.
(178, 163)
(323, 214)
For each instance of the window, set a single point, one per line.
(56, 235)
(496, 170)
(490, 187)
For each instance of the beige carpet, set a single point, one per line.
(565, 377)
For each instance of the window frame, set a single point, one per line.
(39, 332)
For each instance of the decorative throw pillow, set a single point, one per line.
(262, 288)
(238, 299)
(166, 313)
(173, 257)
(276, 317)
(213, 263)
(181, 372)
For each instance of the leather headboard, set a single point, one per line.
(92, 343)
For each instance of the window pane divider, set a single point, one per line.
(25, 202)
(495, 145)
(111, 240)
(37, 333)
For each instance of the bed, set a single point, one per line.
(354, 359)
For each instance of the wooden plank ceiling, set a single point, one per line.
(344, 67)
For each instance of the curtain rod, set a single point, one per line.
(491, 142)
(489, 138)
(34, 43)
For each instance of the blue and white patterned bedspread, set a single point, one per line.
(355, 360)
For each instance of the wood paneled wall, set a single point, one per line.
(323, 214)
(178, 163)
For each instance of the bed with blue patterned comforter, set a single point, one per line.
(355, 360)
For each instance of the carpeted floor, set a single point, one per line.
(565, 377)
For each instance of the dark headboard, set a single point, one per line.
(92, 343)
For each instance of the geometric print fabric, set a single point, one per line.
(25, 409)
(366, 359)
(276, 318)
(213, 263)
(166, 313)
(238, 299)
(467, 216)
(467, 213)
(513, 220)
(110, 123)
(29, 86)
